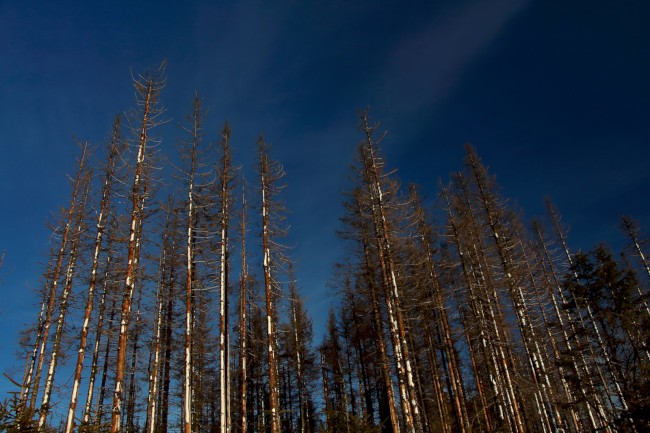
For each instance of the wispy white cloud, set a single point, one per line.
(424, 67)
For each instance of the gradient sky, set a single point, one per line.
(554, 95)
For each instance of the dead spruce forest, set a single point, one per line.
(154, 317)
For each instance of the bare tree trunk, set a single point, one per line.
(443, 330)
(63, 303)
(30, 362)
(225, 182)
(98, 337)
(148, 90)
(410, 407)
(154, 365)
(169, 323)
(195, 125)
(243, 321)
(521, 309)
(298, 355)
(266, 185)
(56, 272)
(560, 317)
(107, 350)
(114, 150)
(379, 328)
(131, 402)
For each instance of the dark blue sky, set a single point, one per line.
(554, 95)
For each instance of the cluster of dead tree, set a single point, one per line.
(478, 323)
(472, 323)
(143, 325)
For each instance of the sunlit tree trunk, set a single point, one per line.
(55, 275)
(191, 154)
(268, 178)
(504, 247)
(410, 406)
(113, 153)
(226, 178)
(243, 323)
(132, 395)
(443, 330)
(376, 319)
(30, 362)
(148, 90)
(295, 306)
(64, 300)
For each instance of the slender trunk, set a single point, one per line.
(148, 93)
(101, 224)
(56, 273)
(63, 304)
(224, 270)
(169, 323)
(154, 367)
(443, 330)
(107, 352)
(243, 321)
(542, 251)
(131, 402)
(189, 268)
(379, 329)
(410, 408)
(30, 362)
(98, 335)
(268, 289)
(488, 299)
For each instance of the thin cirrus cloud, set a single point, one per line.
(423, 68)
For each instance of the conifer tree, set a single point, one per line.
(53, 278)
(64, 299)
(225, 173)
(147, 90)
(270, 173)
(114, 149)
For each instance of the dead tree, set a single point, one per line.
(190, 154)
(65, 297)
(225, 174)
(443, 332)
(372, 166)
(55, 275)
(148, 90)
(270, 173)
(115, 147)
(99, 332)
(243, 322)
